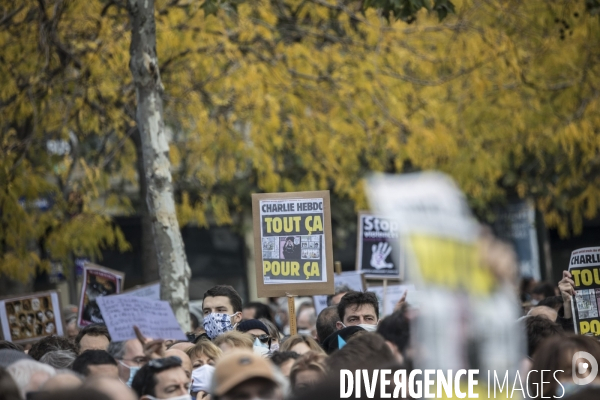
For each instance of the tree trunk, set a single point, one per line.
(173, 267)
(149, 260)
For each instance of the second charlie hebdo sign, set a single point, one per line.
(293, 231)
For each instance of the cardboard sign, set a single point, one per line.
(353, 279)
(439, 239)
(97, 282)
(585, 268)
(154, 318)
(515, 223)
(150, 291)
(438, 234)
(30, 317)
(292, 242)
(377, 247)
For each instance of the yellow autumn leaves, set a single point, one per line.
(293, 95)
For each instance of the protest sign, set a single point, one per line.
(515, 223)
(585, 268)
(352, 279)
(440, 244)
(154, 318)
(97, 282)
(389, 296)
(292, 241)
(377, 252)
(149, 291)
(30, 317)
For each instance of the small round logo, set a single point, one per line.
(580, 367)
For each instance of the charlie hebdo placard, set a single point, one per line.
(585, 268)
(377, 254)
(292, 238)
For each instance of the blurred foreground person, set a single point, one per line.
(556, 355)
(234, 340)
(284, 360)
(63, 380)
(301, 344)
(130, 358)
(162, 378)
(8, 388)
(307, 371)
(96, 363)
(204, 353)
(30, 375)
(113, 388)
(92, 337)
(76, 394)
(243, 375)
(9, 356)
(363, 350)
(59, 358)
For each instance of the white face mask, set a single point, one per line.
(368, 327)
(182, 397)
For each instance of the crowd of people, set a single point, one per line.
(245, 352)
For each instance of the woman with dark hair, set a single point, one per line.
(556, 355)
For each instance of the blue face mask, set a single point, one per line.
(258, 343)
(132, 372)
(216, 324)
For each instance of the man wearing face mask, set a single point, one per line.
(260, 333)
(358, 309)
(222, 309)
(162, 378)
(130, 358)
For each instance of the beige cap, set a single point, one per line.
(238, 367)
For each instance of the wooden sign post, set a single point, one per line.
(292, 313)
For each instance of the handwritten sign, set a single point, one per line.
(151, 291)
(154, 318)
